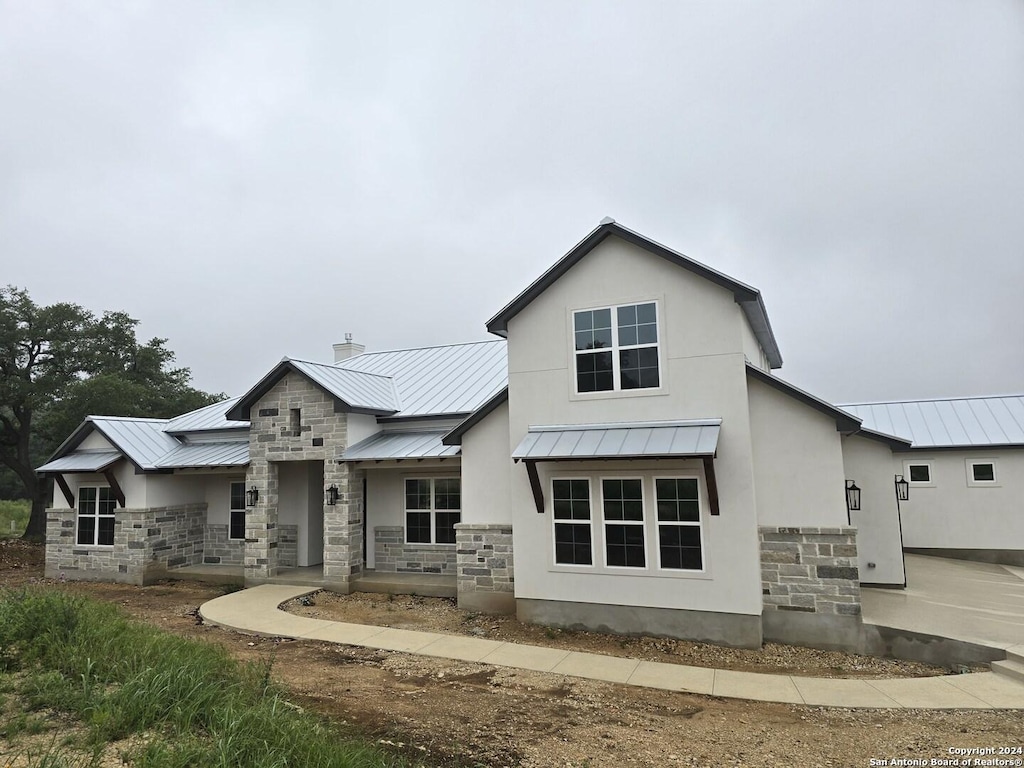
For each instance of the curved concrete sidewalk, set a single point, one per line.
(256, 611)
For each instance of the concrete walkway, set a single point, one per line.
(257, 611)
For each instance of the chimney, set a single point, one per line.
(348, 349)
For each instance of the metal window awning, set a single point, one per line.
(692, 439)
(81, 461)
(399, 446)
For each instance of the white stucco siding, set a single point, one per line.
(752, 348)
(487, 470)
(360, 427)
(798, 461)
(218, 497)
(871, 465)
(171, 490)
(132, 485)
(951, 513)
(95, 441)
(703, 376)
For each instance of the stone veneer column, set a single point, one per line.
(261, 522)
(343, 526)
(486, 572)
(811, 586)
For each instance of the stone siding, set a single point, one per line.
(322, 435)
(810, 570)
(393, 555)
(288, 546)
(147, 544)
(219, 549)
(486, 570)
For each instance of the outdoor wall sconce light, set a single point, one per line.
(251, 497)
(902, 488)
(852, 496)
(332, 495)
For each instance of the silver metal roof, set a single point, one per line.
(401, 445)
(457, 378)
(620, 440)
(208, 418)
(141, 440)
(82, 461)
(195, 455)
(367, 390)
(966, 422)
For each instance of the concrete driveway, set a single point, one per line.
(976, 602)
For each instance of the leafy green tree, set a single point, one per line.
(61, 363)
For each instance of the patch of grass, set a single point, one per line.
(185, 702)
(14, 517)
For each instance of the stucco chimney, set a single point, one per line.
(348, 349)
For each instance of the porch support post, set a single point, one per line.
(261, 533)
(65, 489)
(343, 524)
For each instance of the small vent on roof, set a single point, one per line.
(607, 220)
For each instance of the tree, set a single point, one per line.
(61, 363)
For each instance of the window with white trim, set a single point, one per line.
(236, 526)
(623, 507)
(570, 499)
(679, 523)
(96, 507)
(981, 472)
(919, 473)
(433, 505)
(616, 348)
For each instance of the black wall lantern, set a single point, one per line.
(852, 496)
(902, 488)
(332, 495)
(251, 497)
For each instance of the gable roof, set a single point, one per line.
(845, 422)
(748, 297)
(454, 436)
(965, 422)
(206, 419)
(360, 392)
(141, 441)
(453, 379)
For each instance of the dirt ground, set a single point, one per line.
(461, 714)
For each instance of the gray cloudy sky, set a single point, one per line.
(253, 179)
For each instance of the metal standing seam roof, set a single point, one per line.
(457, 378)
(82, 461)
(401, 445)
(625, 440)
(360, 389)
(208, 418)
(141, 440)
(958, 422)
(195, 455)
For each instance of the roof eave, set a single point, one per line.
(454, 437)
(845, 422)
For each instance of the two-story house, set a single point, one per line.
(622, 458)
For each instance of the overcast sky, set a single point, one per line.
(252, 180)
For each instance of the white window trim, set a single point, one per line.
(95, 516)
(617, 390)
(597, 522)
(241, 509)
(972, 483)
(589, 522)
(907, 464)
(433, 512)
(642, 523)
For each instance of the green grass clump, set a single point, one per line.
(14, 517)
(192, 703)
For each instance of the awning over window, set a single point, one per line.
(695, 439)
(630, 440)
(81, 461)
(396, 446)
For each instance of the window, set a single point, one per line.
(617, 355)
(236, 528)
(96, 516)
(679, 534)
(918, 473)
(432, 508)
(295, 422)
(981, 472)
(571, 506)
(623, 505)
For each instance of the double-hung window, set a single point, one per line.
(570, 501)
(616, 348)
(679, 534)
(433, 505)
(623, 506)
(96, 516)
(236, 528)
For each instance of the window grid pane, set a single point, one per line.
(984, 473)
(678, 509)
(920, 473)
(571, 499)
(572, 544)
(417, 527)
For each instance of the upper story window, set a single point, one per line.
(981, 472)
(616, 348)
